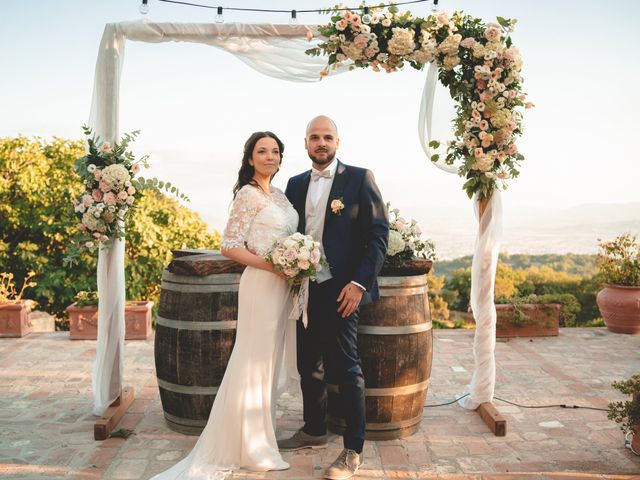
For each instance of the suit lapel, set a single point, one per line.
(301, 201)
(337, 188)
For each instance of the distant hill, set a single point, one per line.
(575, 264)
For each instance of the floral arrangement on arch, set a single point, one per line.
(476, 61)
(405, 242)
(107, 172)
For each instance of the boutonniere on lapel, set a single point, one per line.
(337, 205)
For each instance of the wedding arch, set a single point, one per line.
(299, 53)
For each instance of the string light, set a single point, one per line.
(366, 18)
(271, 10)
(294, 18)
(219, 18)
(434, 7)
(144, 7)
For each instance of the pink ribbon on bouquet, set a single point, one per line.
(300, 302)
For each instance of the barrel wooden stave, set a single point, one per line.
(195, 335)
(395, 344)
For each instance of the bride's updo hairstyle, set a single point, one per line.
(245, 174)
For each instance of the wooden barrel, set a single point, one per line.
(395, 344)
(195, 334)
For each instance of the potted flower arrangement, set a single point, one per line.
(14, 311)
(627, 413)
(83, 318)
(619, 300)
(407, 253)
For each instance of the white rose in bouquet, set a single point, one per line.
(396, 243)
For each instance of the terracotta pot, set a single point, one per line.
(83, 321)
(14, 319)
(620, 308)
(536, 320)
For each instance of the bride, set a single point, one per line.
(240, 432)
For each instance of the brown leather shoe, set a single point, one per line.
(301, 440)
(345, 466)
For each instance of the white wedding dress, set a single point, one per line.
(240, 432)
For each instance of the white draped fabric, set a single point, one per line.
(483, 268)
(277, 51)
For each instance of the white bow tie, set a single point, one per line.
(317, 175)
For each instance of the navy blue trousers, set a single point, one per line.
(328, 352)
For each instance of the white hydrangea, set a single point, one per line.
(396, 243)
(116, 175)
(402, 41)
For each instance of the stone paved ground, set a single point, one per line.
(46, 422)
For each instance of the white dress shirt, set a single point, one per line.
(321, 185)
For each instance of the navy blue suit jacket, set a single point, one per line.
(355, 241)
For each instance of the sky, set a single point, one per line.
(196, 105)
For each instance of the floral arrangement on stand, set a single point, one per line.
(108, 172)
(476, 61)
(405, 242)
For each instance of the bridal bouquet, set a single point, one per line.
(298, 256)
(405, 242)
(107, 173)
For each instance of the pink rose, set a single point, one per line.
(341, 25)
(87, 201)
(131, 190)
(96, 194)
(135, 169)
(477, 152)
(361, 40)
(291, 272)
(512, 149)
(442, 18)
(97, 174)
(122, 196)
(468, 42)
(109, 198)
(130, 200)
(105, 187)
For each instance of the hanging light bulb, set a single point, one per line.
(219, 18)
(294, 18)
(366, 18)
(144, 7)
(434, 7)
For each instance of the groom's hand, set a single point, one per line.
(350, 297)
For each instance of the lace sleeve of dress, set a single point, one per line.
(243, 210)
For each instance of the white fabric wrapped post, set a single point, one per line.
(103, 120)
(483, 269)
(483, 276)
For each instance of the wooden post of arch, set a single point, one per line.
(487, 410)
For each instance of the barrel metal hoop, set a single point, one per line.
(181, 324)
(402, 282)
(402, 291)
(379, 426)
(188, 389)
(382, 392)
(395, 330)
(191, 288)
(185, 421)
(214, 279)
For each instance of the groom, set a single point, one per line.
(340, 206)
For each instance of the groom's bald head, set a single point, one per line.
(321, 141)
(322, 120)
